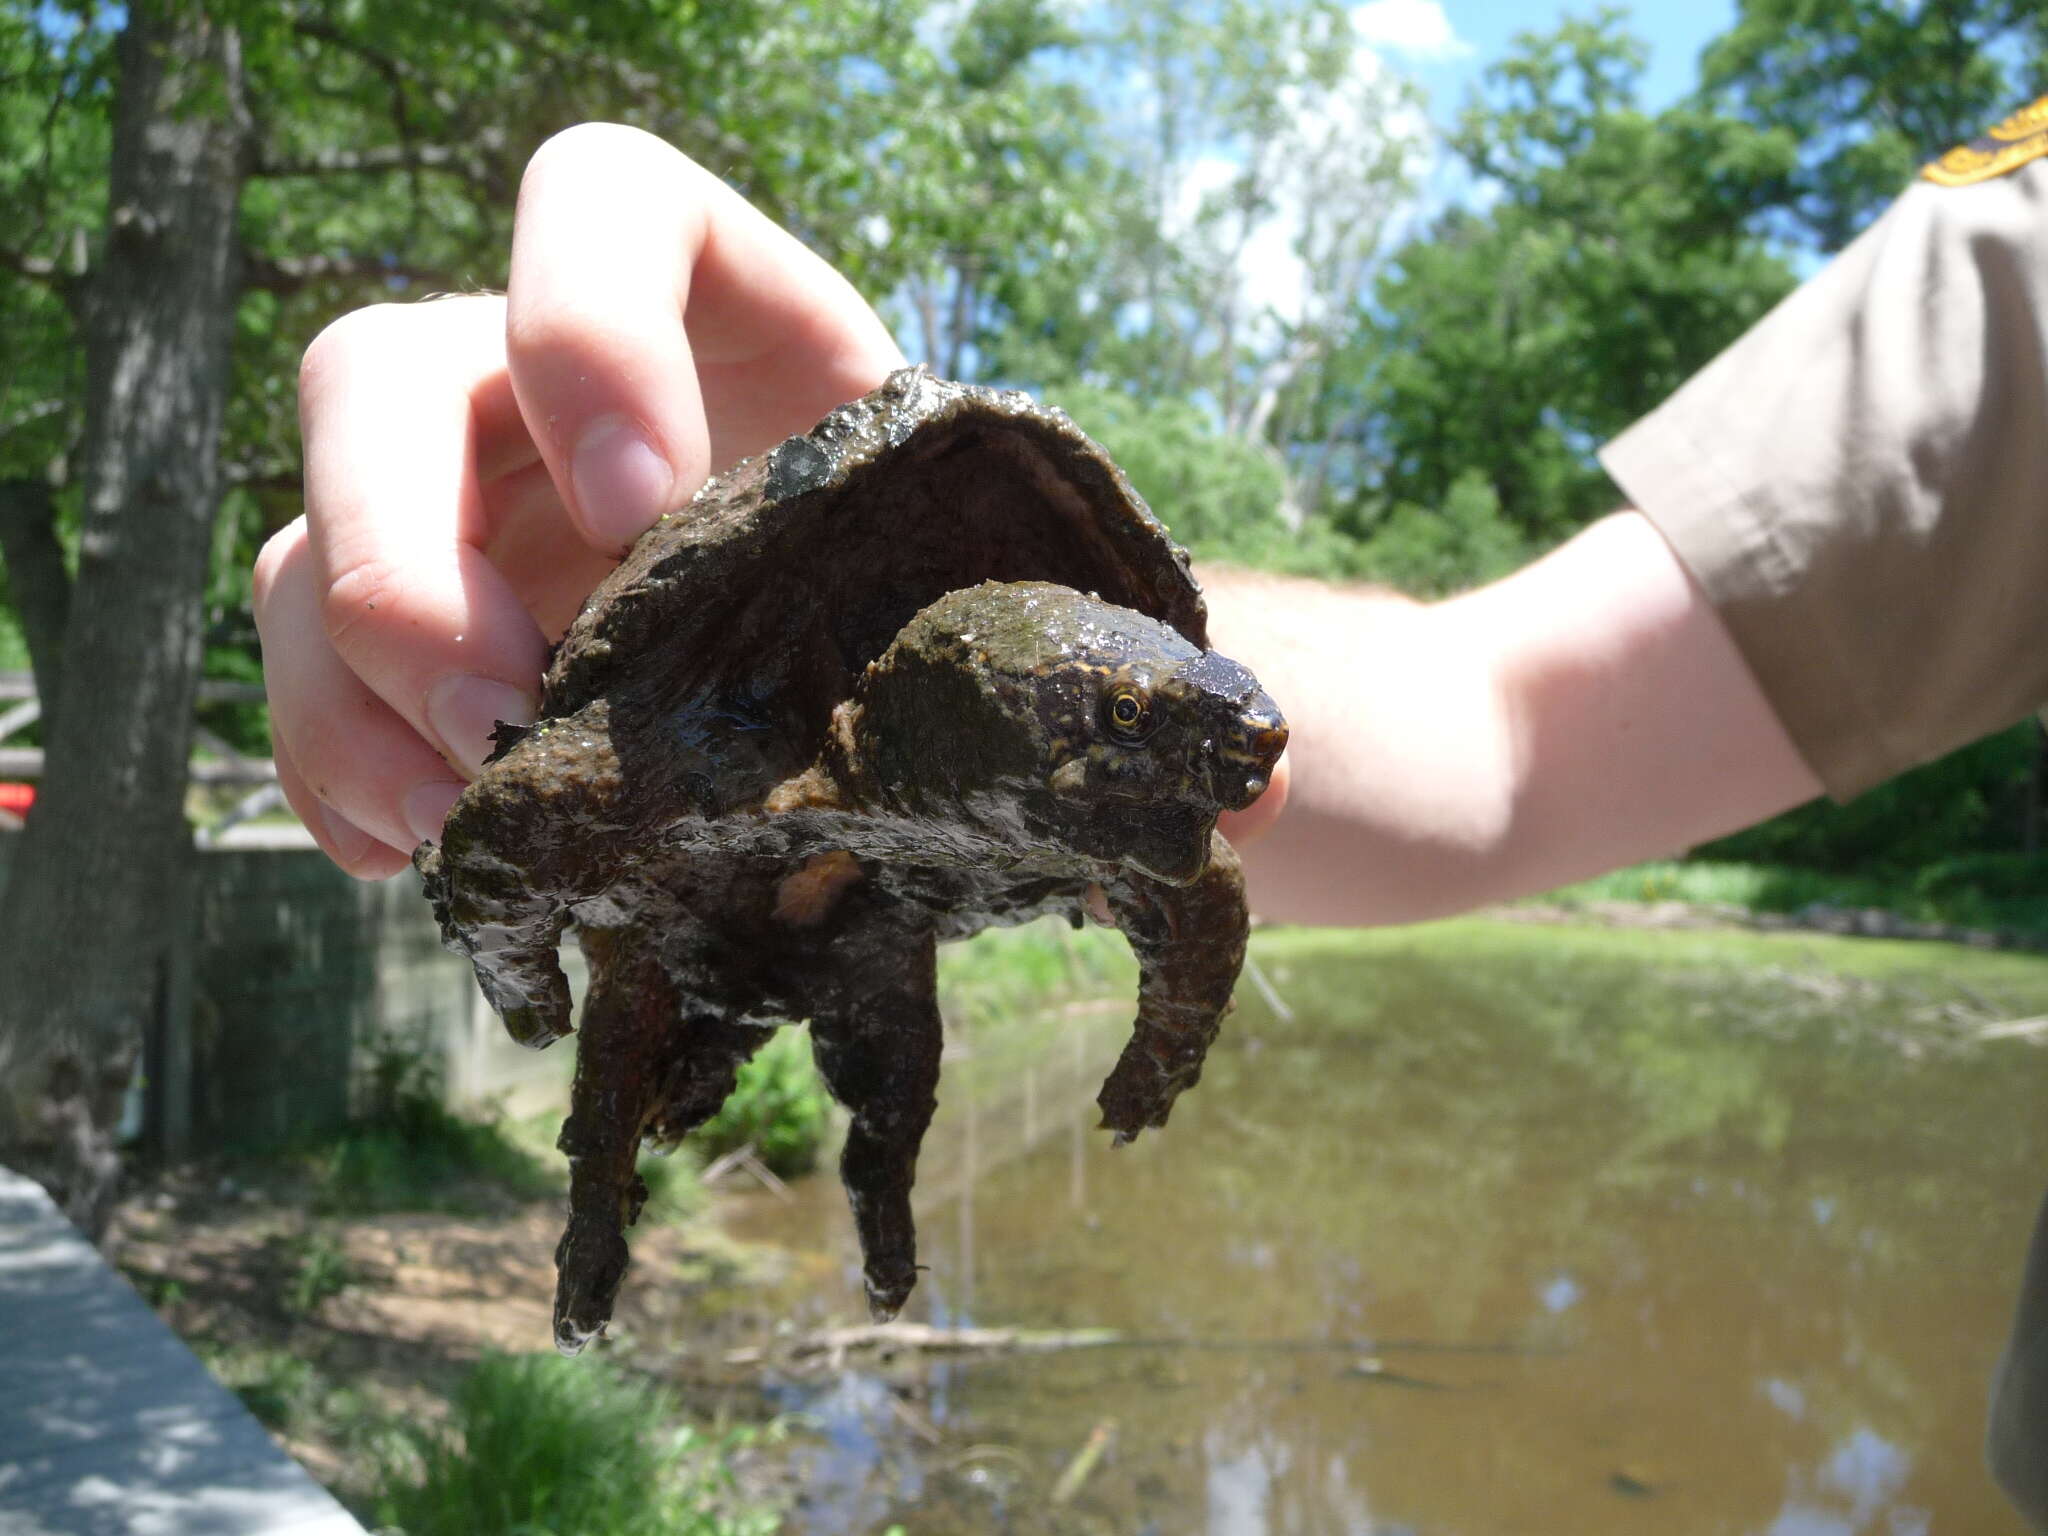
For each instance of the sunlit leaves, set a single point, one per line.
(1873, 89)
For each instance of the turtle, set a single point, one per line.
(929, 667)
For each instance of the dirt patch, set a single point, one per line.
(333, 1326)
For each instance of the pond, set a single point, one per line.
(1487, 1228)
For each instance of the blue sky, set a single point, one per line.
(1447, 43)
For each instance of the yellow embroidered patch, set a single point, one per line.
(2020, 138)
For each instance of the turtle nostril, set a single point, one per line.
(1262, 734)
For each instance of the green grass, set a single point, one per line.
(779, 1104)
(2018, 979)
(999, 974)
(319, 1270)
(1999, 892)
(423, 1157)
(988, 987)
(407, 1151)
(540, 1446)
(287, 1392)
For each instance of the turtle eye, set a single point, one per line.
(1127, 714)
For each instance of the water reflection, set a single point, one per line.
(1854, 1490)
(1490, 1236)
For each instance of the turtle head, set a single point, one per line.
(1046, 719)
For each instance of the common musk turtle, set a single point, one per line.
(930, 667)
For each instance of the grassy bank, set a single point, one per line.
(2008, 982)
(1996, 894)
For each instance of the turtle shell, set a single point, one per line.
(764, 599)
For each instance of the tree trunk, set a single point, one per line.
(84, 916)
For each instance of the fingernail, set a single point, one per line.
(428, 806)
(345, 839)
(622, 485)
(465, 710)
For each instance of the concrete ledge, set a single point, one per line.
(109, 1425)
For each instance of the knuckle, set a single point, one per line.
(359, 332)
(279, 551)
(357, 593)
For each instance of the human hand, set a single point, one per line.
(474, 466)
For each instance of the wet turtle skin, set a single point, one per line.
(929, 668)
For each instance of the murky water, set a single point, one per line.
(1504, 1230)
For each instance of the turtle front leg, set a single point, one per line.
(546, 826)
(622, 1059)
(878, 1051)
(1190, 943)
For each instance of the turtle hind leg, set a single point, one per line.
(629, 1018)
(1190, 943)
(878, 1051)
(703, 1070)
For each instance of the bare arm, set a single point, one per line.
(1582, 714)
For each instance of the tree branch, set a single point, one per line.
(29, 413)
(265, 479)
(289, 274)
(380, 158)
(59, 278)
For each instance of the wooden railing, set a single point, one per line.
(214, 761)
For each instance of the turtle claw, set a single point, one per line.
(883, 1306)
(591, 1265)
(1139, 1093)
(536, 1028)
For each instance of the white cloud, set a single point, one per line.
(1418, 28)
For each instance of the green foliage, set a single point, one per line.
(1871, 90)
(1617, 259)
(407, 1151)
(1213, 129)
(1992, 876)
(1005, 974)
(287, 1392)
(2005, 893)
(780, 1106)
(541, 1446)
(319, 1271)
(1435, 552)
(1967, 802)
(1220, 495)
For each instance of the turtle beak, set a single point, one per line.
(1245, 756)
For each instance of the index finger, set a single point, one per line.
(396, 406)
(659, 326)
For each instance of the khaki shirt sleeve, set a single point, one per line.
(1860, 484)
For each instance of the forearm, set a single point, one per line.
(1584, 713)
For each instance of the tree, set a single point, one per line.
(1616, 258)
(1258, 150)
(157, 317)
(996, 173)
(1871, 90)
